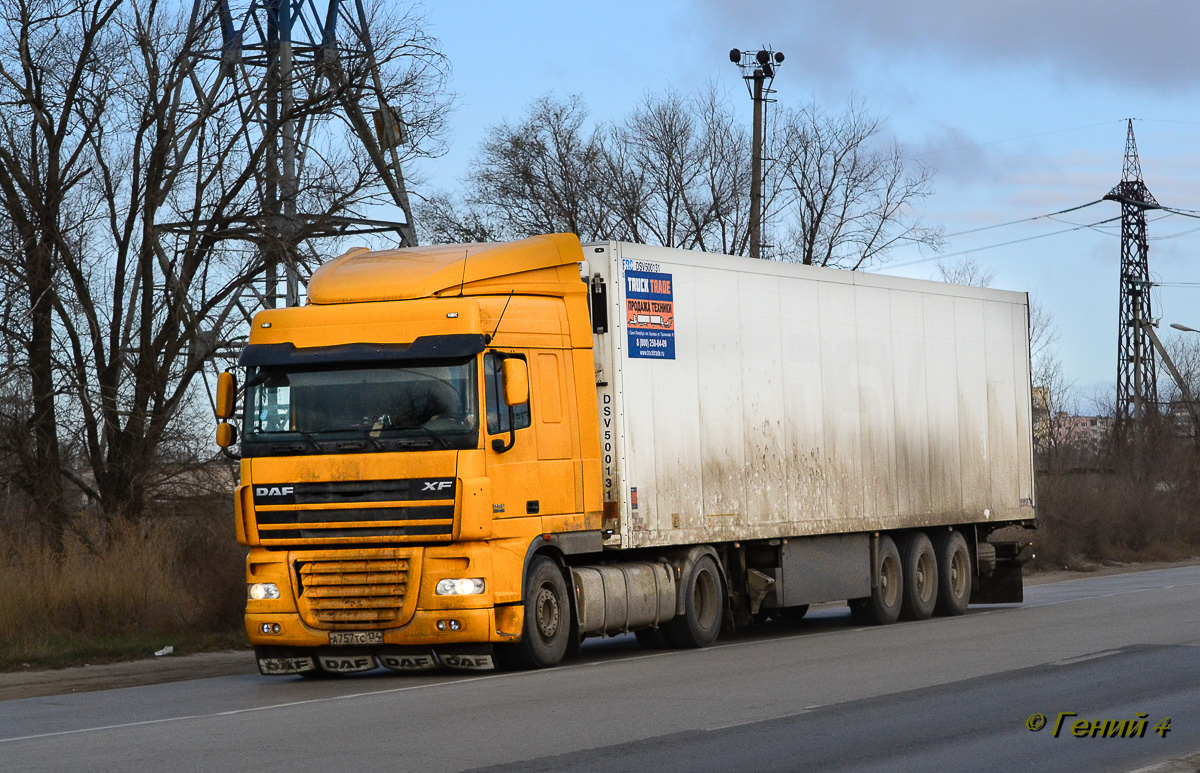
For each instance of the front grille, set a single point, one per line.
(371, 588)
(405, 510)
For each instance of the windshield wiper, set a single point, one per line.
(429, 434)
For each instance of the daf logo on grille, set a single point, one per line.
(274, 491)
(275, 495)
(437, 485)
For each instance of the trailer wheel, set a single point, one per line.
(547, 621)
(883, 605)
(954, 573)
(920, 576)
(704, 607)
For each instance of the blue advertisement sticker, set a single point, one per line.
(650, 315)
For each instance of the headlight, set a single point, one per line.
(464, 587)
(260, 591)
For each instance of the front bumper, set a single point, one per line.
(474, 625)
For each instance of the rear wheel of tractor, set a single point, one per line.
(703, 605)
(883, 605)
(920, 576)
(547, 628)
(954, 573)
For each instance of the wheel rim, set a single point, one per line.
(889, 585)
(958, 574)
(704, 597)
(926, 578)
(546, 613)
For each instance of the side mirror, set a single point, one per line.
(226, 390)
(516, 381)
(226, 434)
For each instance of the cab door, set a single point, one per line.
(511, 445)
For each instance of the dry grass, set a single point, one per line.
(1114, 514)
(116, 592)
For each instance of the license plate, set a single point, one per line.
(356, 637)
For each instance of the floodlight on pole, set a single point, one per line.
(758, 70)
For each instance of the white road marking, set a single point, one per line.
(1082, 658)
(756, 721)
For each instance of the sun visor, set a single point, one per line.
(440, 347)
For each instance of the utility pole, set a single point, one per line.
(758, 71)
(1137, 381)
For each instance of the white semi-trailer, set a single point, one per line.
(679, 442)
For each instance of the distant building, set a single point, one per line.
(1058, 431)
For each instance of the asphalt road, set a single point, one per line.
(944, 694)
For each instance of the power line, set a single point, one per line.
(1002, 244)
(1023, 220)
(1174, 235)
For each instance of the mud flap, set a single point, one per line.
(338, 660)
(281, 661)
(1003, 586)
(470, 657)
(406, 658)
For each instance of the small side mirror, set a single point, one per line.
(226, 434)
(516, 381)
(226, 390)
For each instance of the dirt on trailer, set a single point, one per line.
(31, 683)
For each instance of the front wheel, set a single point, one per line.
(547, 628)
(703, 605)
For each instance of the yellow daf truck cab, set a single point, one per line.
(394, 476)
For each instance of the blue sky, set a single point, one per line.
(1019, 106)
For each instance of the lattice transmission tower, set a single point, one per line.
(288, 64)
(1137, 378)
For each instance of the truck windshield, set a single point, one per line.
(392, 407)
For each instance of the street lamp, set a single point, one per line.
(1184, 328)
(758, 70)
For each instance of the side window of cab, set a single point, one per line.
(497, 410)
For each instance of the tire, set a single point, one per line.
(954, 573)
(920, 576)
(883, 605)
(547, 628)
(704, 608)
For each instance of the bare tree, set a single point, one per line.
(543, 174)
(446, 220)
(965, 271)
(851, 200)
(676, 172)
(129, 200)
